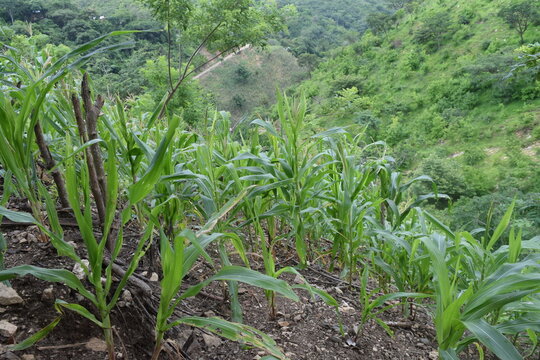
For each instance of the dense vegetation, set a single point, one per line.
(457, 110)
(432, 80)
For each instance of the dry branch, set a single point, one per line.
(94, 183)
(50, 164)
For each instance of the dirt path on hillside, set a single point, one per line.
(221, 61)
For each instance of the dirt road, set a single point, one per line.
(220, 62)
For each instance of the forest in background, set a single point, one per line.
(473, 128)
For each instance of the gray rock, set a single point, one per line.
(97, 345)
(211, 340)
(78, 269)
(126, 296)
(7, 329)
(8, 295)
(48, 294)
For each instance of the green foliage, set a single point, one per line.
(283, 183)
(322, 25)
(380, 23)
(474, 156)
(447, 176)
(520, 15)
(236, 83)
(530, 58)
(433, 30)
(242, 74)
(225, 24)
(190, 99)
(434, 104)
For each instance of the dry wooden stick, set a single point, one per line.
(50, 164)
(94, 183)
(92, 114)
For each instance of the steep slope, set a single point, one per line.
(433, 83)
(323, 25)
(249, 79)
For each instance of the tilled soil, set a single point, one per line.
(308, 329)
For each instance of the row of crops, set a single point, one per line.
(262, 189)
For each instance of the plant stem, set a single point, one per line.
(157, 347)
(109, 337)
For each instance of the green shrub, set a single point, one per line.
(448, 176)
(474, 156)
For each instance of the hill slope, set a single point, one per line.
(432, 82)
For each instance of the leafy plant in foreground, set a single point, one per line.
(478, 305)
(374, 304)
(177, 259)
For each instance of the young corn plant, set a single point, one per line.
(27, 88)
(177, 259)
(99, 276)
(398, 257)
(296, 174)
(98, 268)
(348, 204)
(374, 303)
(479, 305)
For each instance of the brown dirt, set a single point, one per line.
(304, 330)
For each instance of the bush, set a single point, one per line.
(472, 213)
(448, 176)
(474, 156)
(242, 74)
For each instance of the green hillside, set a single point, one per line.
(236, 83)
(324, 25)
(433, 82)
(317, 27)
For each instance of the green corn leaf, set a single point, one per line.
(248, 276)
(78, 150)
(141, 188)
(259, 177)
(439, 225)
(269, 127)
(254, 278)
(524, 323)
(79, 309)
(18, 217)
(397, 295)
(448, 354)
(493, 339)
(52, 275)
(503, 225)
(235, 332)
(212, 222)
(30, 341)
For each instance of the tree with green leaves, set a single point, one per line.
(529, 58)
(434, 29)
(520, 15)
(25, 10)
(397, 4)
(220, 26)
(380, 22)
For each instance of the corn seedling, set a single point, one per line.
(374, 303)
(177, 259)
(460, 308)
